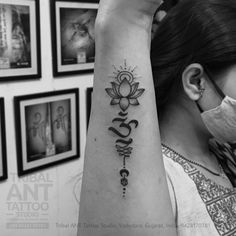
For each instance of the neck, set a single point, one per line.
(184, 131)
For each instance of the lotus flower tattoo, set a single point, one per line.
(125, 91)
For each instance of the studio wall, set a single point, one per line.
(45, 202)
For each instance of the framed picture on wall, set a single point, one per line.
(3, 156)
(47, 128)
(73, 43)
(20, 56)
(88, 103)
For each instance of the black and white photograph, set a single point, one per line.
(131, 130)
(48, 130)
(73, 36)
(3, 154)
(19, 39)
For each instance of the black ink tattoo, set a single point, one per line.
(125, 93)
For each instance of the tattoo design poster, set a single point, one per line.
(18, 46)
(75, 36)
(14, 36)
(49, 130)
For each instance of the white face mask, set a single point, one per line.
(221, 121)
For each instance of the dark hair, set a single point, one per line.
(194, 31)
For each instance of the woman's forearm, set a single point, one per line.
(124, 190)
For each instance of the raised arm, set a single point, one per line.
(124, 190)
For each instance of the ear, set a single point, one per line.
(193, 81)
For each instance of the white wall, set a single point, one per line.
(59, 186)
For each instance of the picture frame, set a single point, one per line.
(20, 55)
(3, 153)
(73, 40)
(47, 129)
(89, 93)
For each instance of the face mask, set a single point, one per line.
(221, 121)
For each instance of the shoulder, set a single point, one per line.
(226, 155)
(176, 168)
(188, 206)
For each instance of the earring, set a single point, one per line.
(201, 91)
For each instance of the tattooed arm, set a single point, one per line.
(124, 190)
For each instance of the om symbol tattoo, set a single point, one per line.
(124, 93)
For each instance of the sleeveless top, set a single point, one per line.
(201, 207)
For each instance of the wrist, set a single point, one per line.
(132, 9)
(121, 25)
(122, 16)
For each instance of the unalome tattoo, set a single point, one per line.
(124, 92)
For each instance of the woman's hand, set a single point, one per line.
(136, 12)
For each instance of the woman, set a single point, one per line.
(194, 67)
